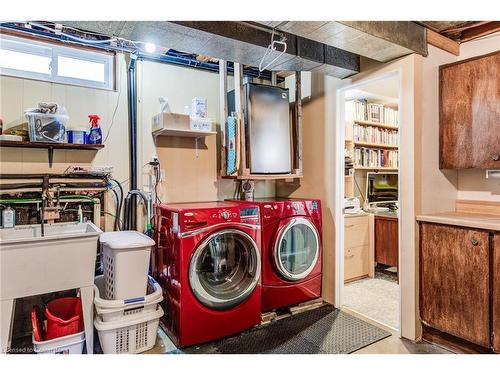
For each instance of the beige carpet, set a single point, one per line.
(376, 298)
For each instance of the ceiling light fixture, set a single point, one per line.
(150, 47)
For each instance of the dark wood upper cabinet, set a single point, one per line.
(469, 113)
(455, 281)
(386, 240)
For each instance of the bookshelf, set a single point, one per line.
(371, 139)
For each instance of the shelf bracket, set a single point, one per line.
(50, 152)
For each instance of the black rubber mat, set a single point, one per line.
(324, 330)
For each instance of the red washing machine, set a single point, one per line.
(208, 262)
(291, 250)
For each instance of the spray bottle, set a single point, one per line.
(95, 134)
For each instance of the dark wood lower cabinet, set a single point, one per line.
(455, 281)
(386, 240)
(496, 293)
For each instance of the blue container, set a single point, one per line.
(77, 136)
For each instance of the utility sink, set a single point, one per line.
(60, 230)
(31, 264)
(63, 259)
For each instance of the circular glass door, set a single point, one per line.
(296, 250)
(224, 269)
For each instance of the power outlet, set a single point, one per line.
(162, 175)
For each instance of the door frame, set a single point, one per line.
(339, 177)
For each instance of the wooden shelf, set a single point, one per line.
(376, 168)
(375, 145)
(66, 146)
(172, 132)
(50, 147)
(265, 176)
(377, 124)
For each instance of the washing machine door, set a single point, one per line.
(296, 249)
(224, 269)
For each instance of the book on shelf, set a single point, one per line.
(361, 110)
(372, 134)
(366, 157)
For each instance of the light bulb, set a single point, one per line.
(150, 47)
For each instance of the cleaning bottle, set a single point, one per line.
(80, 214)
(95, 134)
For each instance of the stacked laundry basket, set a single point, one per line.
(126, 298)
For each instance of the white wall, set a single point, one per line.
(438, 188)
(472, 184)
(190, 175)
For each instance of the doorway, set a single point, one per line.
(367, 230)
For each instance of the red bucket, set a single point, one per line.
(64, 317)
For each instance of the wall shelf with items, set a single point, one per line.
(50, 147)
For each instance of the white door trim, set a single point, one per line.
(339, 177)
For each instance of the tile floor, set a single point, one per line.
(390, 345)
(376, 298)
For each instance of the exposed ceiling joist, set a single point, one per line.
(437, 40)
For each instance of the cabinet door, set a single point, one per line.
(386, 241)
(454, 281)
(469, 115)
(496, 293)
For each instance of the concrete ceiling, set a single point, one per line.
(231, 41)
(331, 47)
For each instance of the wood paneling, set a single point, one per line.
(469, 116)
(455, 281)
(386, 240)
(496, 293)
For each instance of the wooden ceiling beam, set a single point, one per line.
(437, 40)
(479, 31)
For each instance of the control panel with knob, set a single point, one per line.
(225, 215)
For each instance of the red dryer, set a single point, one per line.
(208, 262)
(291, 250)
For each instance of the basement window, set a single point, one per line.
(25, 58)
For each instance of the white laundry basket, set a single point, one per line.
(129, 336)
(126, 257)
(132, 308)
(71, 344)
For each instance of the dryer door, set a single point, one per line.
(224, 269)
(296, 249)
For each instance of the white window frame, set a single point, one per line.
(53, 51)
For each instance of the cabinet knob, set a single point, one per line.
(496, 157)
(474, 242)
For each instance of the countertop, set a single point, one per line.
(464, 219)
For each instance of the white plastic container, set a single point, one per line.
(71, 344)
(199, 107)
(126, 257)
(133, 308)
(129, 336)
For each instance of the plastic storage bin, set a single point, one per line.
(129, 336)
(44, 127)
(72, 344)
(132, 308)
(64, 317)
(126, 257)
